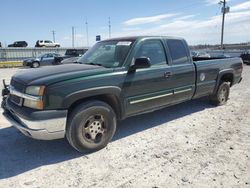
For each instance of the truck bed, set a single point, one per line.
(207, 72)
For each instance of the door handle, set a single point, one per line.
(167, 74)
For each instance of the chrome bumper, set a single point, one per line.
(42, 130)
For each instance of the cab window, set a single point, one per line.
(178, 51)
(152, 49)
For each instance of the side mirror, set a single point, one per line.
(141, 63)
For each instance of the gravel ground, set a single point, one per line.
(189, 145)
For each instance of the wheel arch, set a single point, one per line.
(225, 76)
(110, 95)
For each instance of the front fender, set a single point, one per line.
(92, 92)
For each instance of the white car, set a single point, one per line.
(46, 43)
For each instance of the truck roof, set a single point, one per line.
(133, 38)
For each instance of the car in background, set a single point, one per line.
(222, 56)
(42, 60)
(200, 54)
(19, 44)
(246, 57)
(72, 55)
(46, 43)
(74, 52)
(70, 60)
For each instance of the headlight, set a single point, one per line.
(36, 92)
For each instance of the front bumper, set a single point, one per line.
(25, 63)
(50, 128)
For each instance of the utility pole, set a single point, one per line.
(73, 36)
(54, 35)
(109, 28)
(87, 32)
(224, 10)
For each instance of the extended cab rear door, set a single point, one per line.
(182, 68)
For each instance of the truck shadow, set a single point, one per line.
(19, 154)
(142, 122)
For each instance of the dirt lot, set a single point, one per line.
(189, 145)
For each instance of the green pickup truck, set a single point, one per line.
(115, 79)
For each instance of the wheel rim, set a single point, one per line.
(94, 129)
(35, 65)
(223, 95)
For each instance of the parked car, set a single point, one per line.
(116, 79)
(46, 43)
(19, 44)
(74, 52)
(222, 56)
(70, 60)
(41, 60)
(200, 54)
(246, 57)
(72, 55)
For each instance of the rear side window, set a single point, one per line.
(178, 51)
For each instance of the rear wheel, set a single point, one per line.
(35, 64)
(222, 94)
(91, 126)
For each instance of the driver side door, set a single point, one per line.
(149, 88)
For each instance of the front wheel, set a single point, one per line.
(222, 94)
(91, 126)
(35, 64)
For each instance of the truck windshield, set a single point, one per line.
(107, 53)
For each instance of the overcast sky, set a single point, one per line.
(198, 21)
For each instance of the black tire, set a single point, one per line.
(91, 126)
(35, 64)
(222, 94)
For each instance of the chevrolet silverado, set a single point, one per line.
(115, 79)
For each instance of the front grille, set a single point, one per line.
(16, 100)
(19, 87)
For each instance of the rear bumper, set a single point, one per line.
(50, 128)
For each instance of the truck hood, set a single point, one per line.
(54, 74)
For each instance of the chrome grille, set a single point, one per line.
(19, 87)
